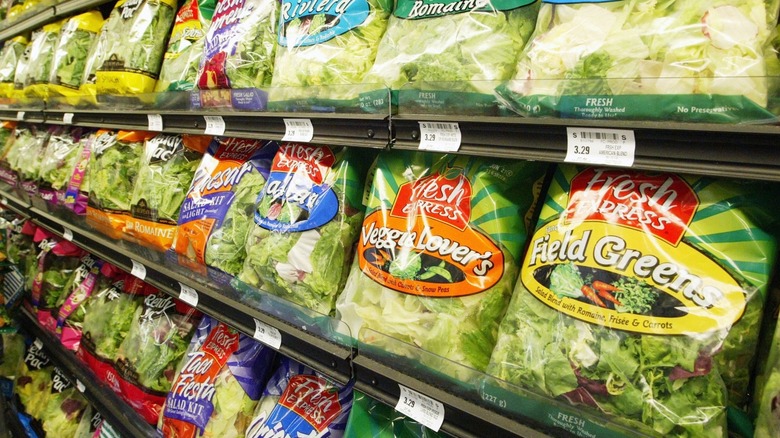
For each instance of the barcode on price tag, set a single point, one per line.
(439, 136)
(138, 271)
(612, 147)
(20, 115)
(80, 386)
(155, 122)
(67, 118)
(188, 295)
(419, 407)
(298, 130)
(215, 125)
(67, 234)
(268, 335)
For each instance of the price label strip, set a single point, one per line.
(155, 122)
(439, 137)
(188, 295)
(138, 271)
(268, 335)
(67, 118)
(611, 147)
(421, 408)
(215, 125)
(298, 130)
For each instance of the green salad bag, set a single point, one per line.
(641, 297)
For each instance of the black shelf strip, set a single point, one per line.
(214, 299)
(356, 130)
(740, 151)
(121, 416)
(463, 418)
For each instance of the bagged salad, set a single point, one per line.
(696, 61)
(75, 194)
(306, 223)
(136, 34)
(179, 69)
(166, 171)
(240, 45)
(12, 51)
(767, 382)
(108, 316)
(24, 156)
(457, 49)
(114, 164)
(641, 298)
(439, 252)
(57, 263)
(42, 47)
(7, 140)
(20, 74)
(59, 162)
(70, 315)
(216, 216)
(33, 384)
(332, 46)
(78, 35)
(65, 406)
(298, 401)
(154, 346)
(218, 384)
(87, 94)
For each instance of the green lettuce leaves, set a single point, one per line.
(113, 170)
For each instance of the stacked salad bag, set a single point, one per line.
(58, 261)
(185, 47)
(677, 60)
(59, 162)
(217, 214)
(114, 164)
(156, 342)
(8, 133)
(767, 386)
(42, 47)
(65, 406)
(75, 194)
(641, 297)
(134, 41)
(439, 252)
(72, 308)
(24, 156)
(108, 316)
(306, 222)
(77, 37)
(33, 383)
(9, 57)
(324, 48)
(166, 171)
(459, 49)
(239, 51)
(218, 384)
(298, 401)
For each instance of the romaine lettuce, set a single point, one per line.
(113, 168)
(70, 55)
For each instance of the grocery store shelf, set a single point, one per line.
(304, 338)
(68, 8)
(359, 130)
(123, 418)
(742, 151)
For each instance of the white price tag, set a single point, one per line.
(155, 122)
(419, 407)
(215, 125)
(613, 147)
(80, 386)
(20, 115)
(298, 130)
(67, 118)
(38, 344)
(138, 271)
(268, 335)
(439, 136)
(188, 295)
(3, 201)
(67, 234)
